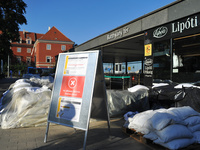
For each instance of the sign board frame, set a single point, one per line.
(79, 91)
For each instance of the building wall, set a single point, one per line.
(23, 54)
(37, 47)
(42, 53)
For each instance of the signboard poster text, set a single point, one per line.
(148, 50)
(71, 92)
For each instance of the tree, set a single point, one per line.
(11, 16)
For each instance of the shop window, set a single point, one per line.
(108, 67)
(186, 58)
(162, 59)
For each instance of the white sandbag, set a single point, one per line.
(137, 87)
(194, 128)
(141, 122)
(183, 112)
(197, 136)
(172, 132)
(176, 144)
(193, 120)
(159, 84)
(180, 86)
(162, 120)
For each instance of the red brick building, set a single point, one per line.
(39, 50)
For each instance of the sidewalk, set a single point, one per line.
(62, 137)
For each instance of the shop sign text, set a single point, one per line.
(117, 34)
(181, 26)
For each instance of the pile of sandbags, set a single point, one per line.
(173, 128)
(26, 103)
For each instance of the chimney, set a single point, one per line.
(24, 33)
(49, 28)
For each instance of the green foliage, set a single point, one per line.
(22, 67)
(11, 16)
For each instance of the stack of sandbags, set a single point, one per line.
(169, 131)
(173, 128)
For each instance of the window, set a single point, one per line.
(28, 60)
(162, 59)
(18, 59)
(48, 46)
(186, 59)
(63, 47)
(48, 59)
(28, 50)
(19, 49)
(28, 41)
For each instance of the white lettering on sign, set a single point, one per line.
(181, 26)
(118, 33)
(148, 62)
(160, 32)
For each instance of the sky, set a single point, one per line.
(82, 20)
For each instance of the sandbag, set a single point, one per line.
(177, 143)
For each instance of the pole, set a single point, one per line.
(46, 134)
(8, 66)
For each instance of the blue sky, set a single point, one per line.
(82, 20)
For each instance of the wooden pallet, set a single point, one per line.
(139, 137)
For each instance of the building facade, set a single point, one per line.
(166, 41)
(23, 48)
(39, 50)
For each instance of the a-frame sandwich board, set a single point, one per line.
(79, 89)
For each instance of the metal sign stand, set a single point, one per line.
(73, 103)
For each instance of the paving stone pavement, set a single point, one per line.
(62, 137)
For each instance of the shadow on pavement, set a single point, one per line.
(98, 139)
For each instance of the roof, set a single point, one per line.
(55, 35)
(33, 36)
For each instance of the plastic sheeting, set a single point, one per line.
(175, 95)
(26, 103)
(192, 98)
(120, 102)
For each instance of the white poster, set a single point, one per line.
(76, 64)
(69, 109)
